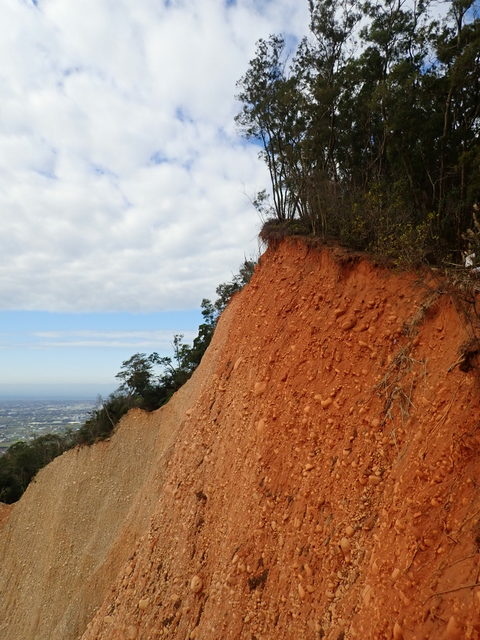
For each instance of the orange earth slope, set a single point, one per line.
(317, 478)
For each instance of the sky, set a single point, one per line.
(125, 189)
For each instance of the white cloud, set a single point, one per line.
(135, 340)
(122, 182)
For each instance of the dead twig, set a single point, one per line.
(442, 593)
(449, 566)
(390, 388)
(468, 520)
(455, 364)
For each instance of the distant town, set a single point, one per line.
(23, 419)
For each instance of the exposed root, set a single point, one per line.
(442, 593)
(412, 325)
(390, 387)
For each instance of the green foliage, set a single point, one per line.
(371, 133)
(22, 460)
(273, 115)
(103, 419)
(136, 374)
(147, 382)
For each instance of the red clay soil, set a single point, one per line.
(320, 479)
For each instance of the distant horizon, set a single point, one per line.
(47, 353)
(51, 391)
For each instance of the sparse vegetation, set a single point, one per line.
(24, 459)
(370, 132)
(147, 382)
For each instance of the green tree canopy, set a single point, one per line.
(371, 131)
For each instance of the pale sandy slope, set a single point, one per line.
(64, 541)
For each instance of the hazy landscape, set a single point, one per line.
(25, 418)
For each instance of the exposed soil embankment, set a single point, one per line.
(62, 544)
(316, 479)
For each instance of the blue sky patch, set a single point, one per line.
(158, 158)
(38, 346)
(182, 115)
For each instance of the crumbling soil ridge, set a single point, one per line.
(5, 510)
(317, 478)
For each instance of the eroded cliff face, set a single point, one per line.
(317, 478)
(63, 543)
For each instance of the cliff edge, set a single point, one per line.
(316, 478)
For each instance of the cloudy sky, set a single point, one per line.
(124, 187)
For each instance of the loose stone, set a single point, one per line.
(143, 604)
(131, 632)
(196, 584)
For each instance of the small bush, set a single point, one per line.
(274, 231)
